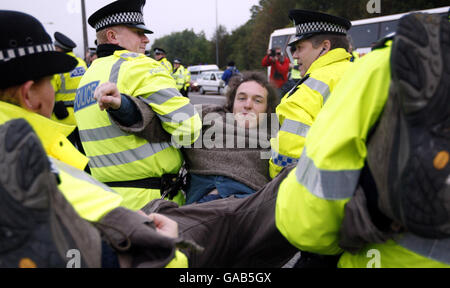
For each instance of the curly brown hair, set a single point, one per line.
(261, 79)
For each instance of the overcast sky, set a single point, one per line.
(161, 16)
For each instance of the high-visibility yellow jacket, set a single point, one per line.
(187, 77)
(311, 200)
(116, 156)
(296, 113)
(65, 86)
(90, 199)
(181, 77)
(166, 63)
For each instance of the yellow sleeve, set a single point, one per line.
(296, 115)
(154, 85)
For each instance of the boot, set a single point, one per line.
(38, 227)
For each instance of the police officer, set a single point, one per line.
(139, 170)
(65, 86)
(160, 56)
(321, 51)
(39, 163)
(181, 76)
(353, 180)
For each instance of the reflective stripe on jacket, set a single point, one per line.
(167, 65)
(311, 200)
(90, 199)
(116, 156)
(65, 86)
(297, 113)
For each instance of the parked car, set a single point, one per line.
(195, 73)
(211, 82)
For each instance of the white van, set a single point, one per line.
(196, 71)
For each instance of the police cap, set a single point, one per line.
(159, 51)
(27, 51)
(64, 42)
(177, 61)
(310, 23)
(121, 12)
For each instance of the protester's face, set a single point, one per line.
(306, 55)
(132, 39)
(250, 101)
(42, 96)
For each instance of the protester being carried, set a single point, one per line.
(231, 157)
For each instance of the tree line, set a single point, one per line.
(248, 44)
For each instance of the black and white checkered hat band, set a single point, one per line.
(127, 17)
(9, 54)
(311, 27)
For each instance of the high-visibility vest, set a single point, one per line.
(187, 77)
(89, 198)
(297, 112)
(180, 77)
(65, 86)
(166, 64)
(311, 200)
(116, 156)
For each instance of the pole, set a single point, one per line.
(217, 36)
(85, 34)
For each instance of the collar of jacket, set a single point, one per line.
(51, 133)
(105, 50)
(71, 54)
(333, 56)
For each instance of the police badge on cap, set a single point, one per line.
(310, 23)
(121, 12)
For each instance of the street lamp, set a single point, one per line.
(217, 35)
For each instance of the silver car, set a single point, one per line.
(211, 81)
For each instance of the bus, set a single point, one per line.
(364, 33)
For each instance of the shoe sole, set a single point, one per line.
(420, 66)
(26, 230)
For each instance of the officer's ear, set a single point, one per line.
(26, 101)
(326, 46)
(111, 35)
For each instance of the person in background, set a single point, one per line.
(181, 76)
(160, 56)
(65, 86)
(279, 67)
(229, 72)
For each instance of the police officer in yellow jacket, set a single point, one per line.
(160, 56)
(321, 51)
(65, 86)
(181, 76)
(39, 165)
(374, 155)
(139, 170)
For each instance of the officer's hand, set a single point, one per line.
(108, 96)
(165, 226)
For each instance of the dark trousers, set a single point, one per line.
(234, 232)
